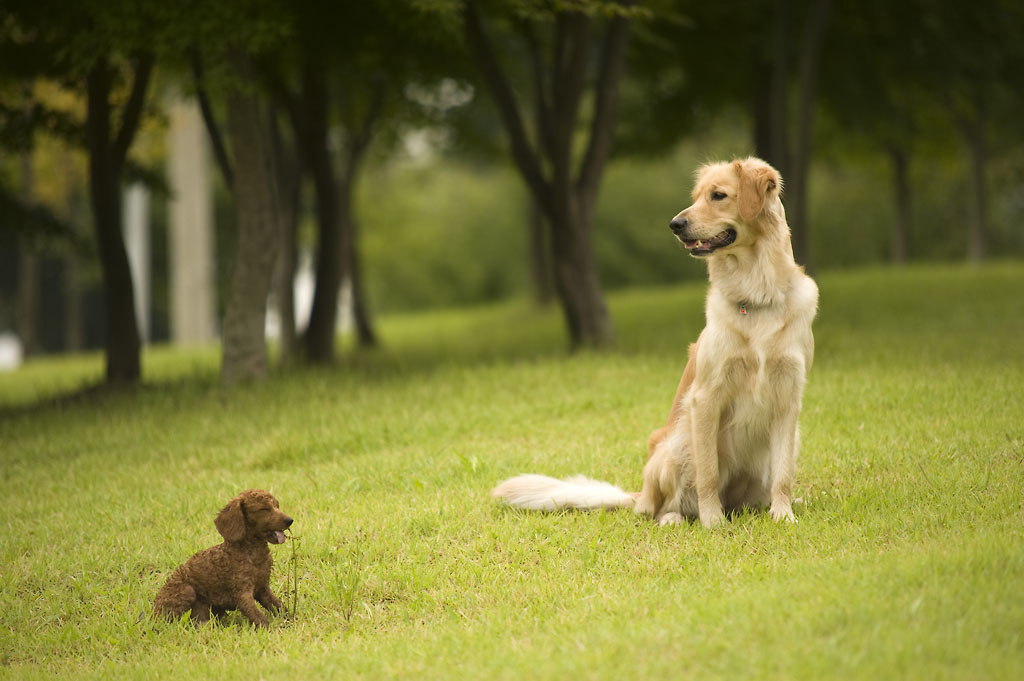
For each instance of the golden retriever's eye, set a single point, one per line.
(718, 196)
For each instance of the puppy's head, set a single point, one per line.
(733, 205)
(253, 515)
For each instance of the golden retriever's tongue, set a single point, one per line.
(277, 537)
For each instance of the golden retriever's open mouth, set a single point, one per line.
(706, 246)
(276, 537)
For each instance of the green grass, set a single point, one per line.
(907, 562)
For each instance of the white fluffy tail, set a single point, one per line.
(542, 493)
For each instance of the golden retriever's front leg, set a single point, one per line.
(785, 442)
(787, 375)
(704, 421)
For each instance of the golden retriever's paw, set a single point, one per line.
(711, 520)
(643, 506)
(710, 512)
(782, 512)
(670, 518)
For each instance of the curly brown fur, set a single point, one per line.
(234, 575)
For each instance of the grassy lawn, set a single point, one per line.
(907, 562)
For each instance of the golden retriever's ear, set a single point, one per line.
(756, 186)
(230, 521)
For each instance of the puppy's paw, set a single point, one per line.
(782, 512)
(670, 518)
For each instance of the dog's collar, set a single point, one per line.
(745, 307)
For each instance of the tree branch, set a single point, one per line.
(97, 119)
(779, 151)
(220, 153)
(284, 97)
(522, 153)
(311, 106)
(545, 129)
(571, 77)
(132, 109)
(561, 46)
(810, 62)
(362, 133)
(602, 128)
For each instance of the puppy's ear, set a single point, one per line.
(757, 185)
(230, 521)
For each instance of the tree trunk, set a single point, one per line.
(123, 360)
(309, 117)
(815, 28)
(77, 209)
(770, 92)
(28, 271)
(366, 337)
(778, 105)
(973, 130)
(576, 281)
(539, 253)
(353, 152)
(598, 328)
(289, 189)
(74, 323)
(899, 244)
(284, 283)
(761, 109)
(320, 333)
(567, 203)
(28, 297)
(257, 213)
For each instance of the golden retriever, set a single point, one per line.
(732, 437)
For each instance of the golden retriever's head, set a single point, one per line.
(733, 205)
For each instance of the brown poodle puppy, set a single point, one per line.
(234, 575)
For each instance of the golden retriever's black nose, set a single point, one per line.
(288, 522)
(679, 225)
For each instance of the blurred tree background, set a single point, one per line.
(399, 155)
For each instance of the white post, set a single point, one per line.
(137, 240)
(190, 238)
